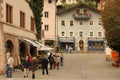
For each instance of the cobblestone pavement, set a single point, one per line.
(86, 66)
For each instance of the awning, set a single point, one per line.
(43, 47)
(29, 41)
(72, 40)
(95, 39)
(46, 48)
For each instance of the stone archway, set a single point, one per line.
(22, 50)
(81, 45)
(9, 46)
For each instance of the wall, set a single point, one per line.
(49, 7)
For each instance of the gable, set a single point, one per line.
(77, 6)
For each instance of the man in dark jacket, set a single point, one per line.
(51, 60)
(44, 65)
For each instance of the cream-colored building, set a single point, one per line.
(17, 31)
(48, 19)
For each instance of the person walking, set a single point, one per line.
(61, 59)
(51, 60)
(54, 63)
(11, 64)
(70, 49)
(34, 66)
(26, 65)
(44, 64)
(57, 60)
(7, 65)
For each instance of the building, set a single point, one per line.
(48, 19)
(80, 27)
(17, 31)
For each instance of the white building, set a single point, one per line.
(81, 27)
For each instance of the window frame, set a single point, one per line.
(91, 34)
(91, 23)
(71, 23)
(22, 19)
(99, 34)
(46, 27)
(63, 33)
(9, 13)
(46, 14)
(32, 20)
(99, 22)
(63, 22)
(81, 21)
(71, 33)
(81, 34)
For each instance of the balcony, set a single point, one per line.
(81, 16)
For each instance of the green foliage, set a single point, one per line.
(68, 5)
(111, 23)
(79, 1)
(37, 8)
(91, 4)
(63, 1)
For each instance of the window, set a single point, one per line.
(49, 1)
(46, 27)
(81, 34)
(63, 33)
(63, 23)
(99, 33)
(46, 14)
(9, 13)
(22, 19)
(80, 11)
(32, 24)
(71, 33)
(99, 22)
(71, 23)
(91, 22)
(81, 22)
(85, 11)
(91, 33)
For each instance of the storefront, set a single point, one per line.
(95, 44)
(27, 46)
(69, 41)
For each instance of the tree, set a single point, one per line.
(37, 8)
(111, 23)
(96, 2)
(63, 1)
